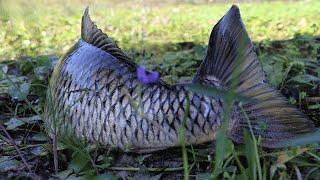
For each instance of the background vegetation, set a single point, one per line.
(171, 38)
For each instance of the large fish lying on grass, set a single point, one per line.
(95, 95)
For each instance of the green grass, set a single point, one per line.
(170, 38)
(50, 28)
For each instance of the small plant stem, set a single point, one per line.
(182, 131)
(313, 155)
(55, 153)
(21, 147)
(242, 169)
(194, 157)
(254, 143)
(298, 173)
(93, 164)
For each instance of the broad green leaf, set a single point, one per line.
(7, 164)
(315, 106)
(286, 156)
(275, 73)
(21, 93)
(63, 174)
(13, 123)
(156, 177)
(16, 122)
(105, 176)
(31, 120)
(306, 78)
(39, 137)
(78, 162)
(203, 176)
(3, 69)
(37, 150)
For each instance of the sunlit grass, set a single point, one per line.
(33, 28)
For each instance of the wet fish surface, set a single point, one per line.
(95, 95)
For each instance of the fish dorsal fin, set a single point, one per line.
(94, 36)
(231, 62)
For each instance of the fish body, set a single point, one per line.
(95, 95)
(109, 105)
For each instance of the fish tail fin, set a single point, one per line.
(231, 63)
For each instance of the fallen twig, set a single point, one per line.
(148, 169)
(11, 141)
(313, 99)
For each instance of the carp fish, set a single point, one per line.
(94, 94)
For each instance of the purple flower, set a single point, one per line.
(147, 77)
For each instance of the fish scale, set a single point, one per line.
(95, 95)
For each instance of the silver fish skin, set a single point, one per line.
(94, 94)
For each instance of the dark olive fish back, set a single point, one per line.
(95, 95)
